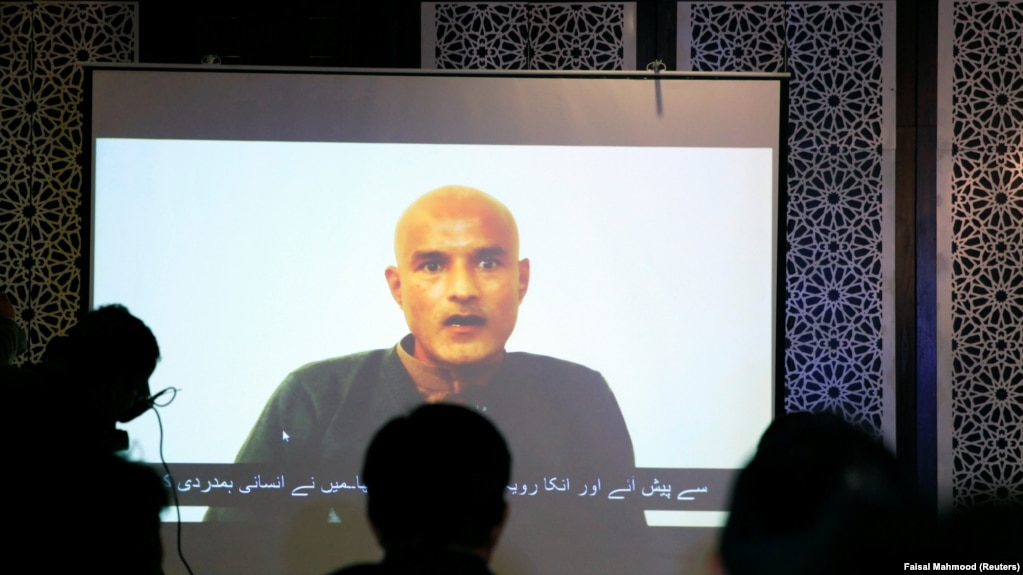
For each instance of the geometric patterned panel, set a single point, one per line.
(987, 251)
(16, 159)
(481, 36)
(520, 36)
(41, 46)
(576, 36)
(833, 310)
(731, 37)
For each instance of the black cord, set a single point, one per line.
(174, 492)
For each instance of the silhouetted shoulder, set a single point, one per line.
(429, 561)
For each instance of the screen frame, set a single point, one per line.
(780, 248)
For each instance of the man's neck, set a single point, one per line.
(438, 383)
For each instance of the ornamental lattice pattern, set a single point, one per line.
(520, 36)
(833, 355)
(987, 251)
(41, 46)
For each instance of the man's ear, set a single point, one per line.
(394, 283)
(523, 277)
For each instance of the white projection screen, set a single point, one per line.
(247, 216)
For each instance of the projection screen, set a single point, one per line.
(247, 216)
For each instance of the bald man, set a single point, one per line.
(459, 281)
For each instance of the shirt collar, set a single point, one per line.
(437, 383)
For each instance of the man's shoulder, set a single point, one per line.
(523, 360)
(342, 363)
(532, 366)
(335, 375)
(343, 366)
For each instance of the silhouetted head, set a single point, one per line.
(437, 477)
(820, 496)
(457, 275)
(113, 351)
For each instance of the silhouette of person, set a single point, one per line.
(89, 380)
(819, 497)
(436, 480)
(60, 416)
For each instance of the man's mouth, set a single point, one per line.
(465, 321)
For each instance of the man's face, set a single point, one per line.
(458, 280)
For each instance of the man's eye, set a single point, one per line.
(431, 267)
(489, 263)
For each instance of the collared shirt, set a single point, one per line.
(438, 383)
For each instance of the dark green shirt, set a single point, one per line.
(560, 419)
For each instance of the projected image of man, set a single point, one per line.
(459, 281)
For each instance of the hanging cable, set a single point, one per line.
(166, 468)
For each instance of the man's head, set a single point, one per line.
(819, 496)
(458, 277)
(116, 352)
(437, 477)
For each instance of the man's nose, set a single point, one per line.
(462, 283)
